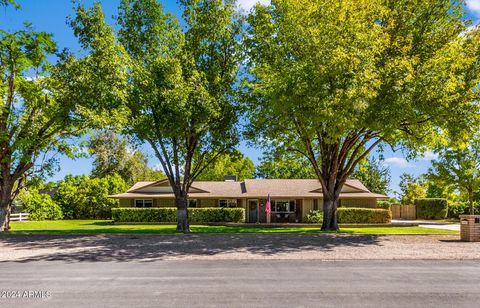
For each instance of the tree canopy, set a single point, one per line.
(115, 155)
(285, 166)
(373, 175)
(411, 188)
(333, 80)
(459, 167)
(229, 164)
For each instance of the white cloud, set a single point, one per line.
(474, 6)
(248, 4)
(429, 155)
(396, 162)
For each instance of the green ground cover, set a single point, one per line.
(106, 226)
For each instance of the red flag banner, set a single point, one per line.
(268, 208)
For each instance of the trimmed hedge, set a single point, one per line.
(384, 205)
(169, 214)
(431, 208)
(351, 215)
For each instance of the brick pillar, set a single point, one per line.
(470, 228)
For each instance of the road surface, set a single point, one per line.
(241, 283)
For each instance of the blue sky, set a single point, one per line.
(50, 16)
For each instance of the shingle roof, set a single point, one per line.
(250, 188)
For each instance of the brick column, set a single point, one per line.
(470, 228)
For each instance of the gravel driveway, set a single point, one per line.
(118, 247)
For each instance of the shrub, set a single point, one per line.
(83, 197)
(41, 207)
(314, 217)
(455, 209)
(169, 214)
(431, 208)
(384, 205)
(350, 215)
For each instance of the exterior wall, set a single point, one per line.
(366, 203)
(126, 202)
(164, 203)
(303, 207)
(207, 203)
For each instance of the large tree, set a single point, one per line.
(180, 94)
(234, 163)
(43, 106)
(411, 188)
(284, 166)
(373, 175)
(332, 80)
(460, 168)
(115, 155)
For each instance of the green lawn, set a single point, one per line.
(105, 226)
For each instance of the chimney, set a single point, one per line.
(230, 178)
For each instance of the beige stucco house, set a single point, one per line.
(291, 200)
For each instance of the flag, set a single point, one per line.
(267, 205)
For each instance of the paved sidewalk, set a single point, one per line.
(429, 224)
(125, 248)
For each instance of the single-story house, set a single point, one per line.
(291, 200)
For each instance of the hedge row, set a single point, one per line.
(351, 215)
(169, 214)
(431, 208)
(384, 205)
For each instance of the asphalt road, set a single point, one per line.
(243, 283)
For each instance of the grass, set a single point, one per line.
(106, 226)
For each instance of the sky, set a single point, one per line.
(50, 16)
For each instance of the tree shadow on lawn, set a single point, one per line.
(144, 248)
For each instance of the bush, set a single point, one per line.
(350, 215)
(41, 207)
(83, 197)
(455, 209)
(314, 217)
(431, 208)
(169, 214)
(384, 205)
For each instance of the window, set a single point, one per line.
(227, 203)
(143, 202)
(283, 206)
(192, 203)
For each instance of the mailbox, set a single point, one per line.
(470, 228)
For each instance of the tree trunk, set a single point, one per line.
(5, 205)
(182, 214)
(329, 212)
(470, 200)
(5, 209)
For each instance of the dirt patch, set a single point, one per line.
(122, 248)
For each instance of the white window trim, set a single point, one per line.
(143, 202)
(285, 200)
(227, 201)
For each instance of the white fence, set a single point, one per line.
(19, 217)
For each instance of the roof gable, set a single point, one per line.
(162, 186)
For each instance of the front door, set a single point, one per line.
(252, 210)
